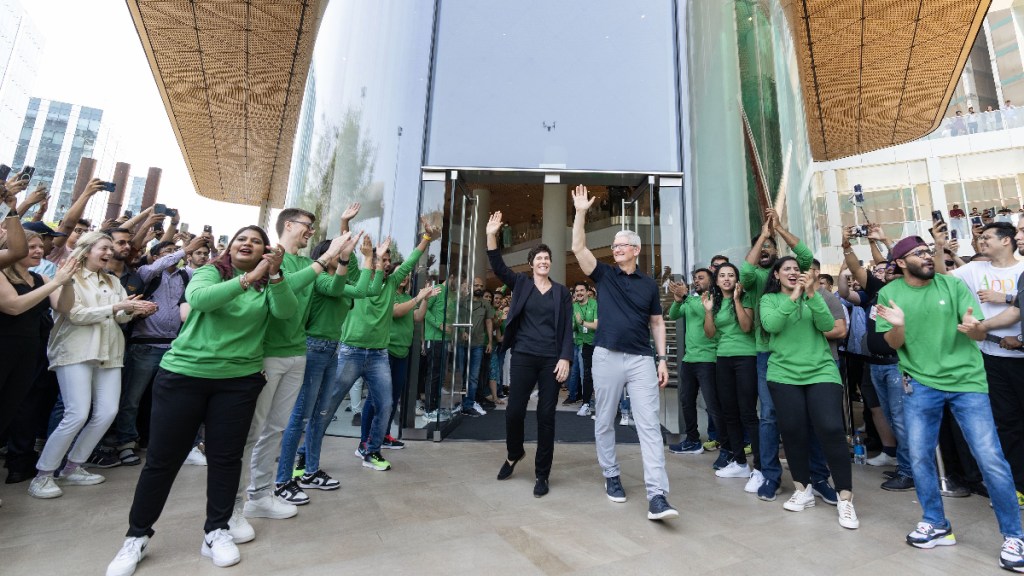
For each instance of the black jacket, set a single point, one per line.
(522, 285)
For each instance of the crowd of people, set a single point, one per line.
(248, 349)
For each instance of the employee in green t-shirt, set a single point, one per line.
(210, 376)
(697, 370)
(584, 328)
(927, 321)
(407, 310)
(729, 318)
(804, 383)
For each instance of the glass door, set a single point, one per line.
(463, 263)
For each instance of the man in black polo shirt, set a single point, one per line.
(630, 306)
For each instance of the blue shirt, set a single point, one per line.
(626, 303)
(166, 322)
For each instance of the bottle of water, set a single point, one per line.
(860, 452)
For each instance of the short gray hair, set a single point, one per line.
(631, 237)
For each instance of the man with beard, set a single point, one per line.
(697, 371)
(471, 347)
(994, 281)
(754, 274)
(943, 367)
(584, 326)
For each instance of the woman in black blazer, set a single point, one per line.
(538, 329)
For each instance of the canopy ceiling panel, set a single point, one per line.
(231, 74)
(876, 73)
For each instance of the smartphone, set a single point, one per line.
(952, 234)
(860, 231)
(172, 212)
(159, 227)
(207, 229)
(183, 228)
(26, 172)
(976, 221)
(5, 171)
(858, 195)
(937, 216)
(223, 240)
(159, 209)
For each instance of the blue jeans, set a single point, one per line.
(399, 375)
(320, 370)
(889, 386)
(771, 467)
(140, 366)
(923, 409)
(576, 374)
(373, 366)
(476, 354)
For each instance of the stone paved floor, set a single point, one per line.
(441, 511)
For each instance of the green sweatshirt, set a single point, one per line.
(369, 323)
(754, 278)
(698, 347)
(223, 334)
(796, 339)
(434, 321)
(327, 312)
(401, 330)
(287, 338)
(732, 340)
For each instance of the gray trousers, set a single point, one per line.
(614, 371)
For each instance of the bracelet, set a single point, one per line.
(243, 282)
(849, 251)
(13, 214)
(426, 237)
(343, 262)
(321, 263)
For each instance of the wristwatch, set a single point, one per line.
(661, 357)
(1009, 298)
(1020, 338)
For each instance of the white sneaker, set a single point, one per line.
(420, 409)
(81, 477)
(269, 507)
(240, 529)
(44, 487)
(625, 419)
(535, 393)
(196, 458)
(584, 410)
(734, 470)
(128, 557)
(756, 479)
(479, 409)
(882, 459)
(220, 547)
(847, 515)
(801, 499)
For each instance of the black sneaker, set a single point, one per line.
(540, 488)
(469, 412)
(392, 443)
(660, 509)
(568, 402)
(319, 480)
(900, 483)
(888, 474)
(102, 458)
(724, 457)
(291, 493)
(613, 488)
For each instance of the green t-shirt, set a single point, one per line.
(732, 340)
(369, 323)
(934, 353)
(287, 338)
(754, 279)
(401, 329)
(434, 321)
(223, 334)
(796, 339)
(327, 312)
(699, 348)
(588, 312)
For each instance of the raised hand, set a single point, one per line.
(350, 212)
(66, 272)
(334, 250)
(350, 244)
(274, 259)
(433, 231)
(366, 248)
(494, 224)
(427, 292)
(383, 247)
(37, 195)
(679, 290)
(708, 301)
(581, 198)
(737, 292)
(893, 314)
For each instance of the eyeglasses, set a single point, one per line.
(622, 246)
(308, 225)
(922, 253)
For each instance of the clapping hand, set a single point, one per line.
(66, 272)
(679, 290)
(893, 314)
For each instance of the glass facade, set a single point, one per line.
(452, 109)
(21, 49)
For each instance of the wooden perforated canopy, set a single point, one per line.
(231, 74)
(876, 73)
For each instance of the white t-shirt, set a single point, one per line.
(985, 276)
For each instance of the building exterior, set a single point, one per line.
(21, 48)
(138, 186)
(54, 137)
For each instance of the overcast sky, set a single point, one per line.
(93, 57)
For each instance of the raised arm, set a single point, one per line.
(582, 201)
(77, 209)
(754, 255)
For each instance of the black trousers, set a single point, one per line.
(694, 377)
(180, 404)
(31, 420)
(822, 405)
(434, 373)
(16, 371)
(736, 380)
(525, 371)
(587, 373)
(1006, 393)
